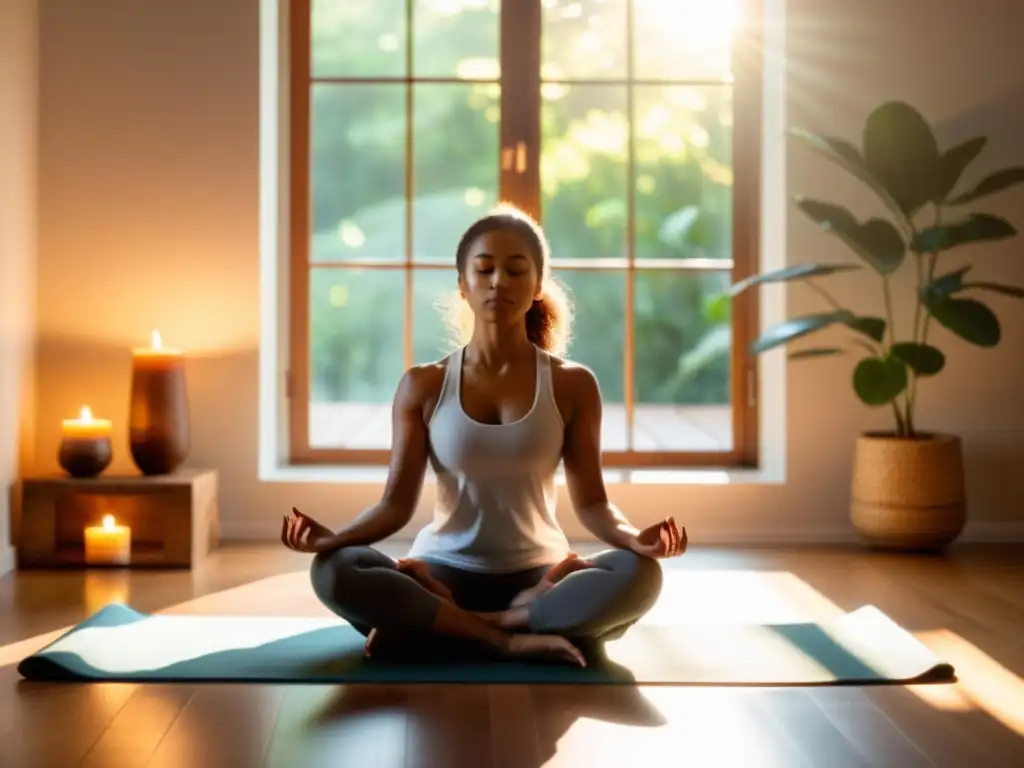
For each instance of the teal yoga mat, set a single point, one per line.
(120, 644)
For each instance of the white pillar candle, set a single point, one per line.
(108, 544)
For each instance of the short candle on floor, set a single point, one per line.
(108, 544)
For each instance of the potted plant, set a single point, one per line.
(908, 484)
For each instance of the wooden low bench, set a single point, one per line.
(174, 519)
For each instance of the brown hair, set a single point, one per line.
(549, 320)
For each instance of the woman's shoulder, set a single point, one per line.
(422, 382)
(572, 376)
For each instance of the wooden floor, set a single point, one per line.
(968, 606)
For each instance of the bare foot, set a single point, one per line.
(517, 615)
(559, 571)
(545, 646)
(517, 646)
(570, 564)
(368, 645)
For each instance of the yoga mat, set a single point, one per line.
(120, 644)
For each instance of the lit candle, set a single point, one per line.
(159, 414)
(108, 544)
(156, 354)
(85, 449)
(85, 426)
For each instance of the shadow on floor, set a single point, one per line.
(527, 722)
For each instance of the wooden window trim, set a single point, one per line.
(520, 129)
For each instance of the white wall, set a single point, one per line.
(149, 218)
(17, 248)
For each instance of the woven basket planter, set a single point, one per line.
(908, 494)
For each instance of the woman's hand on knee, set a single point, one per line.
(301, 533)
(664, 539)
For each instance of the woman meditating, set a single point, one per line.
(494, 419)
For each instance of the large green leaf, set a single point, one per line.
(1006, 290)
(848, 157)
(976, 228)
(969, 319)
(995, 182)
(815, 352)
(954, 161)
(878, 381)
(876, 241)
(872, 327)
(797, 272)
(953, 282)
(789, 330)
(944, 285)
(923, 359)
(901, 151)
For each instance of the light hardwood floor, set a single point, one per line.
(968, 606)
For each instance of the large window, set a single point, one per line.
(629, 128)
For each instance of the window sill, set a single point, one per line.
(352, 475)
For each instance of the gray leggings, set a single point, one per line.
(366, 588)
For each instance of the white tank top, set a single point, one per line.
(496, 494)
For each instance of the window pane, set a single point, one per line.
(456, 38)
(356, 355)
(583, 39)
(456, 163)
(433, 291)
(583, 169)
(357, 38)
(683, 39)
(683, 139)
(598, 341)
(682, 366)
(358, 172)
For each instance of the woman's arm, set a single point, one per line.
(582, 460)
(408, 466)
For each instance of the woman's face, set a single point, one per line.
(499, 279)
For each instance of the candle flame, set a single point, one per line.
(157, 342)
(86, 416)
(108, 522)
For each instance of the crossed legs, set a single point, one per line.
(365, 587)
